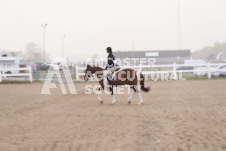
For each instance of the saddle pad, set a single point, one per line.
(116, 71)
(120, 69)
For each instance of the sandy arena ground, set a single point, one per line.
(175, 116)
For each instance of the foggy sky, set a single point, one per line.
(92, 25)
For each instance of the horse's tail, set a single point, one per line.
(142, 84)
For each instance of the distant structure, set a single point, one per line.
(200, 55)
(10, 53)
(221, 56)
(10, 60)
(162, 57)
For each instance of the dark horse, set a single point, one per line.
(121, 77)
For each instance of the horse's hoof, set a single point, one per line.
(129, 102)
(113, 103)
(101, 102)
(140, 103)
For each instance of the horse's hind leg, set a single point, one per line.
(130, 97)
(113, 99)
(138, 92)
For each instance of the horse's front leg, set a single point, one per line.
(112, 94)
(98, 93)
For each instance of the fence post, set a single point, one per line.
(209, 70)
(74, 72)
(30, 73)
(140, 68)
(0, 76)
(175, 71)
(77, 73)
(139, 71)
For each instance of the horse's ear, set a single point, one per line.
(88, 66)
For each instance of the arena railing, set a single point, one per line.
(27, 72)
(171, 68)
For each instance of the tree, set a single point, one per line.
(209, 53)
(33, 52)
(215, 49)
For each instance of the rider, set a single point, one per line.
(110, 68)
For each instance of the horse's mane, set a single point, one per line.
(96, 68)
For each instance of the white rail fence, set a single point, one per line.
(147, 70)
(27, 73)
(204, 69)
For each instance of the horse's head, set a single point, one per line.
(92, 70)
(88, 73)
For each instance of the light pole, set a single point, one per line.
(63, 44)
(132, 49)
(44, 28)
(178, 25)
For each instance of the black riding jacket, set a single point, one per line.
(110, 62)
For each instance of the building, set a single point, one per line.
(161, 57)
(10, 62)
(11, 53)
